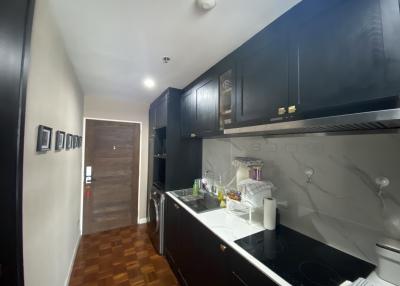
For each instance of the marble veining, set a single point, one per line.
(341, 205)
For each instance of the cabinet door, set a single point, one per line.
(161, 112)
(243, 273)
(262, 77)
(338, 57)
(188, 113)
(203, 254)
(152, 120)
(225, 71)
(207, 106)
(172, 231)
(191, 248)
(214, 258)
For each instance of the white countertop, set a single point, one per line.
(229, 227)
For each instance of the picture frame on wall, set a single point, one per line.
(68, 141)
(44, 138)
(60, 140)
(75, 142)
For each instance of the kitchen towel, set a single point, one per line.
(269, 213)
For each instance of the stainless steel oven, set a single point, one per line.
(156, 219)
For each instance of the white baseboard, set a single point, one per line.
(142, 220)
(71, 265)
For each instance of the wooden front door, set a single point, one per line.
(111, 175)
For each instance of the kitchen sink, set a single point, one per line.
(202, 202)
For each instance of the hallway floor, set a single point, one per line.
(123, 256)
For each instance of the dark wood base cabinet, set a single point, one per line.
(198, 257)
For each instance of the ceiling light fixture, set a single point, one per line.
(206, 4)
(149, 83)
(166, 59)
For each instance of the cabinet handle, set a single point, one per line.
(192, 135)
(222, 247)
(176, 206)
(281, 110)
(292, 109)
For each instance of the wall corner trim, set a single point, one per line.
(71, 265)
(142, 220)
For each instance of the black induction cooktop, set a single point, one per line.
(301, 260)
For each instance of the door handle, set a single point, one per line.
(176, 206)
(222, 247)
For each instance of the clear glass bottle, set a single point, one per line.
(220, 190)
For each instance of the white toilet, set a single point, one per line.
(387, 271)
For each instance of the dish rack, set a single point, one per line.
(240, 208)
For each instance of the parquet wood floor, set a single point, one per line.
(123, 257)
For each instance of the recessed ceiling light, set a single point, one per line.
(166, 59)
(206, 4)
(149, 83)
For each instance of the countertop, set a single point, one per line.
(229, 227)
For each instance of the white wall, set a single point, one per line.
(52, 181)
(341, 205)
(107, 108)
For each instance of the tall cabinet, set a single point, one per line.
(174, 162)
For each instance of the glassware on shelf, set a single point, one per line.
(225, 99)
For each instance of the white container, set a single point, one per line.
(242, 173)
(388, 269)
(270, 213)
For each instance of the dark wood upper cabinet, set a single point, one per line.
(160, 108)
(188, 113)
(225, 71)
(342, 55)
(199, 109)
(262, 77)
(207, 106)
(320, 58)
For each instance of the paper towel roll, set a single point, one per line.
(269, 213)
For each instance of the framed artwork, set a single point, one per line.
(60, 140)
(44, 138)
(68, 141)
(75, 142)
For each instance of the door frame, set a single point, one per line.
(83, 161)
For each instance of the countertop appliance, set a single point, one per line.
(301, 260)
(155, 228)
(388, 269)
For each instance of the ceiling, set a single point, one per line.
(115, 44)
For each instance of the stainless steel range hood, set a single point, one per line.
(382, 120)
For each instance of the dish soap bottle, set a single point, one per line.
(220, 190)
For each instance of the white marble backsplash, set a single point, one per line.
(341, 205)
